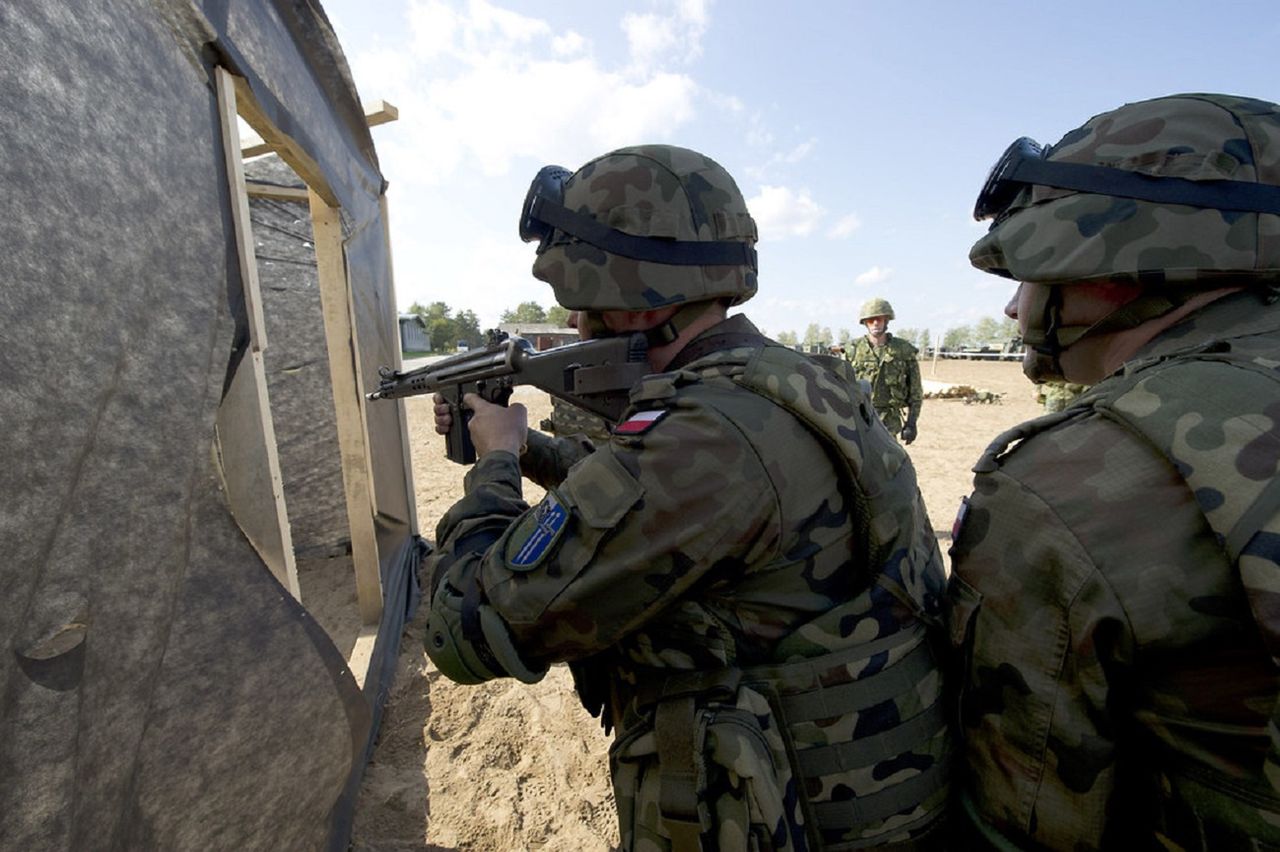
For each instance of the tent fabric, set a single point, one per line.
(158, 688)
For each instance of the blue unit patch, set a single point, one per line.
(540, 528)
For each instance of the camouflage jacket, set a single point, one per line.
(713, 535)
(1118, 676)
(893, 372)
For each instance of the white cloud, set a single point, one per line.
(479, 87)
(673, 37)
(569, 44)
(844, 227)
(872, 276)
(780, 212)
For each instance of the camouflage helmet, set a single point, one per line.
(877, 307)
(642, 228)
(1210, 212)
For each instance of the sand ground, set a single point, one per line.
(504, 766)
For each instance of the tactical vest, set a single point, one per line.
(840, 741)
(1195, 805)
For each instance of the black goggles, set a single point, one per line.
(544, 213)
(1023, 164)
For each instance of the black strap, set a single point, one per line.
(1104, 180)
(651, 249)
(703, 346)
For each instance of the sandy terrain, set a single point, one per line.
(504, 766)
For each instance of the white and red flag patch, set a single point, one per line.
(640, 422)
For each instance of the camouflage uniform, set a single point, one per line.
(1114, 598)
(743, 578)
(893, 371)
(1102, 693)
(663, 562)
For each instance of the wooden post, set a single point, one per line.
(246, 438)
(348, 402)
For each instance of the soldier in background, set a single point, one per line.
(1115, 598)
(743, 578)
(1056, 395)
(889, 365)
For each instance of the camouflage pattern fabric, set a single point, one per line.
(1055, 395)
(893, 372)
(1061, 236)
(650, 562)
(655, 191)
(1120, 663)
(568, 419)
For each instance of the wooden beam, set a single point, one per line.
(289, 150)
(275, 192)
(250, 463)
(378, 112)
(228, 104)
(246, 437)
(348, 403)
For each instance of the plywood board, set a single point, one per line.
(348, 401)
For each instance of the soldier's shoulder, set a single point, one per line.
(904, 347)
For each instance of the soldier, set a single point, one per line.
(1114, 595)
(888, 364)
(1055, 395)
(743, 578)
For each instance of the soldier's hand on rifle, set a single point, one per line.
(496, 427)
(444, 418)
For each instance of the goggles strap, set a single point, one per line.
(651, 250)
(1105, 180)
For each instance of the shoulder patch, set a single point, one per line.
(535, 533)
(640, 422)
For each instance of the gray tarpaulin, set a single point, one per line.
(158, 688)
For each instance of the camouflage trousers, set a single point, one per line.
(891, 418)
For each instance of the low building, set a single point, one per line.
(413, 334)
(543, 335)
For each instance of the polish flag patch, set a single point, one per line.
(640, 422)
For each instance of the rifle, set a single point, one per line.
(592, 374)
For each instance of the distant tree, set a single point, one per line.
(468, 328)
(558, 316)
(911, 335)
(1009, 328)
(955, 338)
(525, 312)
(787, 338)
(812, 334)
(845, 337)
(987, 330)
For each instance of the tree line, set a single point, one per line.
(446, 330)
(986, 331)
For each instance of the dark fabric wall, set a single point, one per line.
(158, 689)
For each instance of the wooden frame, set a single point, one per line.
(246, 432)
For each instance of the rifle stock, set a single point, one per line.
(593, 374)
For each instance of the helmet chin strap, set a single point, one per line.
(660, 335)
(1047, 337)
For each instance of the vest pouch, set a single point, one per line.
(707, 775)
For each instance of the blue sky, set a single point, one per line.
(859, 132)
